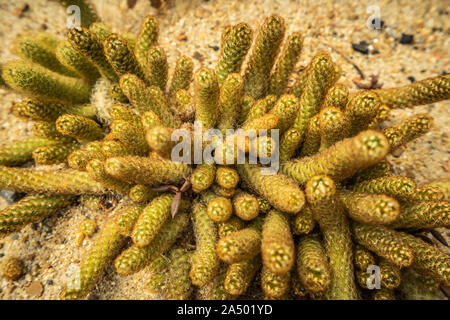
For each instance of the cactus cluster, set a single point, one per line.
(310, 230)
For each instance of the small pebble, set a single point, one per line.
(411, 79)
(181, 37)
(198, 56)
(49, 282)
(215, 48)
(35, 289)
(362, 47)
(406, 38)
(19, 11)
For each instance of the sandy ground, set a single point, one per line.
(48, 248)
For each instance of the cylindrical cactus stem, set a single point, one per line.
(383, 113)
(89, 45)
(203, 176)
(373, 209)
(148, 36)
(20, 152)
(337, 97)
(214, 290)
(227, 177)
(159, 140)
(113, 148)
(120, 57)
(275, 286)
(230, 226)
(324, 200)
(443, 185)
(286, 63)
(179, 284)
(132, 136)
(378, 170)
(44, 129)
(206, 94)
(47, 111)
(263, 55)
(361, 110)
(289, 143)
(112, 238)
(384, 242)
(398, 187)
(391, 276)
(152, 219)
(157, 271)
(150, 119)
(120, 112)
(100, 30)
(320, 77)
(312, 265)
(420, 92)
(429, 260)
(37, 82)
(49, 182)
(96, 170)
(428, 214)
(235, 44)
(312, 136)
(182, 75)
(245, 205)
(79, 127)
(205, 262)
(408, 130)
(281, 192)
(136, 258)
(88, 14)
(156, 69)
(240, 275)
(427, 193)
(300, 83)
(152, 172)
(117, 94)
(277, 245)
(185, 109)
(230, 101)
(363, 258)
(54, 154)
(241, 245)
(259, 108)
(303, 222)
(31, 209)
(75, 61)
(224, 192)
(286, 109)
(264, 205)
(31, 49)
(247, 104)
(341, 160)
(219, 209)
(146, 98)
(265, 122)
(333, 126)
(141, 193)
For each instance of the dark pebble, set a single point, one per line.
(50, 282)
(2, 255)
(131, 3)
(411, 79)
(361, 47)
(11, 196)
(381, 23)
(444, 73)
(406, 38)
(215, 48)
(198, 56)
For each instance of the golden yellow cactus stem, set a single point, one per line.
(420, 92)
(206, 94)
(241, 245)
(20, 152)
(429, 260)
(96, 170)
(159, 140)
(179, 285)
(230, 101)
(408, 130)
(205, 263)
(106, 246)
(311, 140)
(31, 209)
(66, 181)
(385, 242)
(263, 55)
(275, 286)
(182, 76)
(373, 209)
(277, 244)
(80, 158)
(230, 226)
(363, 258)
(398, 187)
(157, 69)
(286, 109)
(312, 264)
(286, 63)
(79, 127)
(136, 258)
(333, 126)
(428, 214)
(203, 177)
(148, 36)
(303, 222)
(361, 110)
(324, 200)
(54, 154)
(157, 273)
(341, 160)
(280, 191)
(219, 209)
(245, 205)
(337, 97)
(141, 193)
(240, 275)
